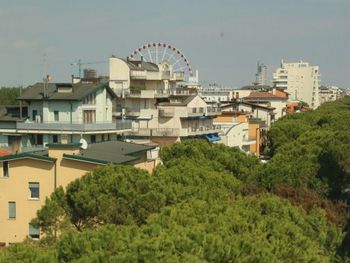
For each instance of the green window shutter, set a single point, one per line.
(12, 210)
(34, 190)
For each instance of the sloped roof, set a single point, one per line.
(141, 65)
(236, 103)
(255, 95)
(80, 90)
(110, 152)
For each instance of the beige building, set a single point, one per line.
(160, 105)
(275, 99)
(26, 179)
(330, 93)
(300, 80)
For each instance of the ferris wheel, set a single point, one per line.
(159, 52)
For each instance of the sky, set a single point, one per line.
(223, 39)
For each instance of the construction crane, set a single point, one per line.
(79, 63)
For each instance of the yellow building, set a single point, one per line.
(26, 179)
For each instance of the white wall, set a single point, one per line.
(119, 75)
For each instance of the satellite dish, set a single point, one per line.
(83, 143)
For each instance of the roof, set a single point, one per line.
(80, 90)
(141, 65)
(256, 87)
(4, 152)
(255, 95)
(236, 103)
(33, 156)
(6, 116)
(117, 152)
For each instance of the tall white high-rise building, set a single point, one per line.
(300, 80)
(261, 75)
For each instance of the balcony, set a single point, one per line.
(179, 76)
(138, 74)
(180, 92)
(193, 131)
(213, 111)
(143, 94)
(161, 93)
(167, 112)
(158, 132)
(132, 112)
(31, 127)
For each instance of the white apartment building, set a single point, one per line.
(216, 93)
(62, 113)
(162, 111)
(300, 80)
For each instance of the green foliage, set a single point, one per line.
(8, 95)
(27, 252)
(210, 203)
(251, 229)
(217, 156)
(310, 150)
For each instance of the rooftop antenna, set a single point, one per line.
(45, 74)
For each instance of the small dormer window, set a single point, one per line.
(64, 88)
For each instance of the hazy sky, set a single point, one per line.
(222, 39)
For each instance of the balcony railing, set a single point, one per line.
(62, 126)
(159, 132)
(203, 130)
(213, 111)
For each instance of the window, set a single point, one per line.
(34, 190)
(5, 169)
(89, 116)
(55, 138)
(12, 210)
(90, 99)
(34, 232)
(93, 138)
(56, 115)
(35, 112)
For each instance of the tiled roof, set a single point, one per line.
(79, 91)
(263, 95)
(4, 152)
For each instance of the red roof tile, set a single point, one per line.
(4, 152)
(263, 95)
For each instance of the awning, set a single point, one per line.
(212, 137)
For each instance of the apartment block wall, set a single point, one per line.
(15, 188)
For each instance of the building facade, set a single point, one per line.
(330, 93)
(27, 179)
(300, 80)
(161, 107)
(62, 113)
